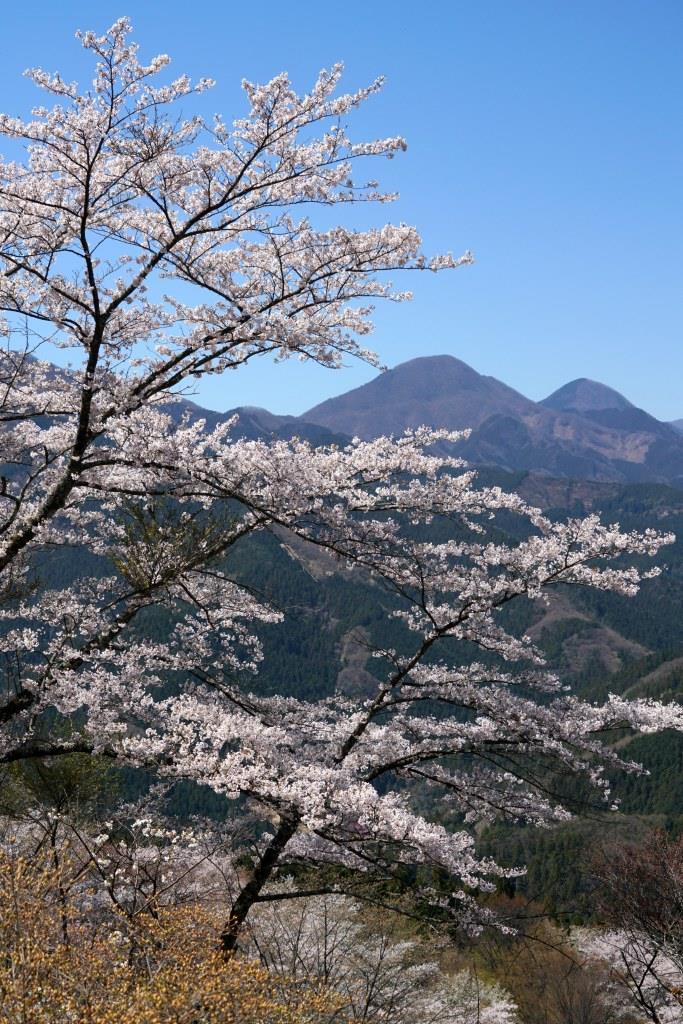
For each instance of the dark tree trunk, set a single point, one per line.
(261, 874)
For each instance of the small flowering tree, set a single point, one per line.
(642, 976)
(156, 248)
(324, 940)
(640, 903)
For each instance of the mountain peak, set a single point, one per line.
(584, 395)
(439, 391)
(432, 375)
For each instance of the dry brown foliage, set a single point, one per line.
(63, 963)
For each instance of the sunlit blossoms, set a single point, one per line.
(156, 248)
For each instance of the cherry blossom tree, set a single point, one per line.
(154, 248)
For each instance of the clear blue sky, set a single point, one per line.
(544, 135)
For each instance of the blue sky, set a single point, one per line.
(546, 136)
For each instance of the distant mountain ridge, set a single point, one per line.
(584, 430)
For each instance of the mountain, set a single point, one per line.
(606, 406)
(597, 642)
(677, 425)
(584, 430)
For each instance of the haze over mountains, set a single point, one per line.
(584, 430)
